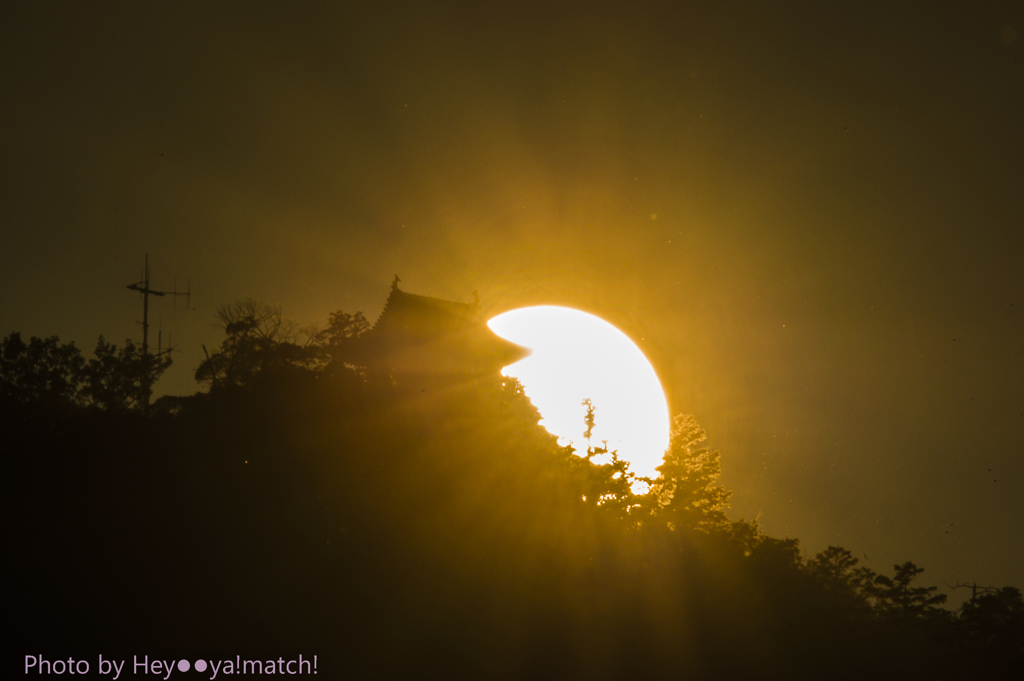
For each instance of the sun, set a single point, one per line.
(577, 356)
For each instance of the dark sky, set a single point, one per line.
(809, 215)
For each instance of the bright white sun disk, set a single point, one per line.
(577, 356)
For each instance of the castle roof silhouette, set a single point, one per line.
(421, 335)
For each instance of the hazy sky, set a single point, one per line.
(809, 215)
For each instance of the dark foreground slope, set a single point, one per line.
(401, 531)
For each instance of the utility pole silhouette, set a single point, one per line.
(143, 288)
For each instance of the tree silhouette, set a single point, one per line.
(257, 339)
(342, 330)
(836, 569)
(589, 420)
(42, 371)
(685, 493)
(608, 485)
(899, 600)
(114, 379)
(46, 372)
(993, 624)
(421, 527)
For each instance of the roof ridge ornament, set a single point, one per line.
(394, 284)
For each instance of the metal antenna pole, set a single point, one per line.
(145, 310)
(144, 288)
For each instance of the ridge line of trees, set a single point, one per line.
(55, 375)
(684, 506)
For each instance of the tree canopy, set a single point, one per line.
(407, 526)
(51, 374)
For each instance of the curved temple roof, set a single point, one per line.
(419, 334)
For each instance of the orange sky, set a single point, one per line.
(809, 217)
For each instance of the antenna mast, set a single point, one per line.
(144, 288)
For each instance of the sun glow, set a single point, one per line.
(577, 356)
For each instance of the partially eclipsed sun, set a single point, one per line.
(577, 356)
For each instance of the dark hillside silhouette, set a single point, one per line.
(417, 528)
